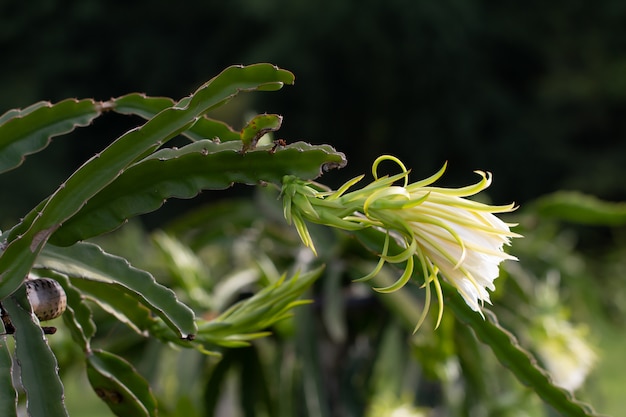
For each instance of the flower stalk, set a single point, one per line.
(448, 235)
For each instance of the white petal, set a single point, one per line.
(483, 236)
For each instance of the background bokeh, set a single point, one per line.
(534, 92)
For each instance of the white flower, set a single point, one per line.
(563, 347)
(461, 239)
(450, 236)
(565, 352)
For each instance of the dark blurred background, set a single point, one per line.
(533, 91)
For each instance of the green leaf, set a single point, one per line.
(115, 300)
(257, 127)
(140, 105)
(8, 394)
(207, 128)
(510, 354)
(89, 261)
(77, 316)
(147, 107)
(28, 238)
(581, 208)
(10, 114)
(38, 365)
(27, 131)
(119, 385)
(184, 172)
